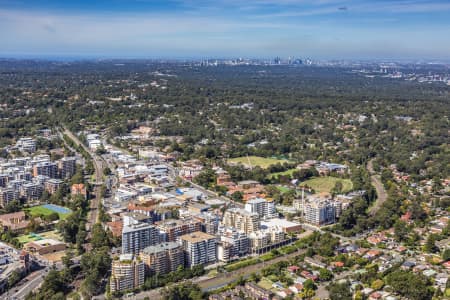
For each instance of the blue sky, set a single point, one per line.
(322, 29)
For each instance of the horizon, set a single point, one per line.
(261, 29)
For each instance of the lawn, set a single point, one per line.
(285, 173)
(283, 189)
(26, 238)
(253, 161)
(265, 283)
(326, 184)
(48, 209)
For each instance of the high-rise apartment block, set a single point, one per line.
(242, 220)
(265, 209)
(200, 248)
(320, 212)
(7, 195)
(172, 229)
(67, 167)
(136, 237)
(163, 258)
(127, 273)
(49, 169)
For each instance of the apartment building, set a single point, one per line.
(52, 185)
(23, 175)
(49, 169)
(209, 222)
(127, 273)
(264, 208)
(4, 178)
(172, 229)
(235, 243)
(67, 167)
(320, 212)
(199, 247)
(7, 195)
(31, 191)
(26, 144)
(242, 220)
(136, 237)
(163, 258)
(259, 240)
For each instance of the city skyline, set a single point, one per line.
(326, 29)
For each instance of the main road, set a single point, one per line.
(98, 166)
(26, 285)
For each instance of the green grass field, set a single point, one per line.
(26, 238)
(326, 184)
(283, 189)
(285, 173)
(36, 211)
(254, 161)
(265, 283)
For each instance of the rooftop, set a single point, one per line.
(197, 237)
(135, 227)
(160, 247)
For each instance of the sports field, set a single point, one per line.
(26, 238)
(48, 209)
(253, 161)
(326, 184)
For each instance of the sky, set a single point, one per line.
(319, 29)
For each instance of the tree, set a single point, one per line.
(107, 171)
(359, 296)
(14, 278)
(446, 255)
(430, 245)
(13, 206)
(184, 291)
(206, 178)
(401, 231)
(325, 274)
(237, 196)
(410, 285)
(337, 189)
(99, 238)
(340, 291)
(309, 284)
(51, 217)
(67, 259)
(377, 284)
(307, 293)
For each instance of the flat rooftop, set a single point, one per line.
(278, 222)
(161, 247)
(196, 237)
